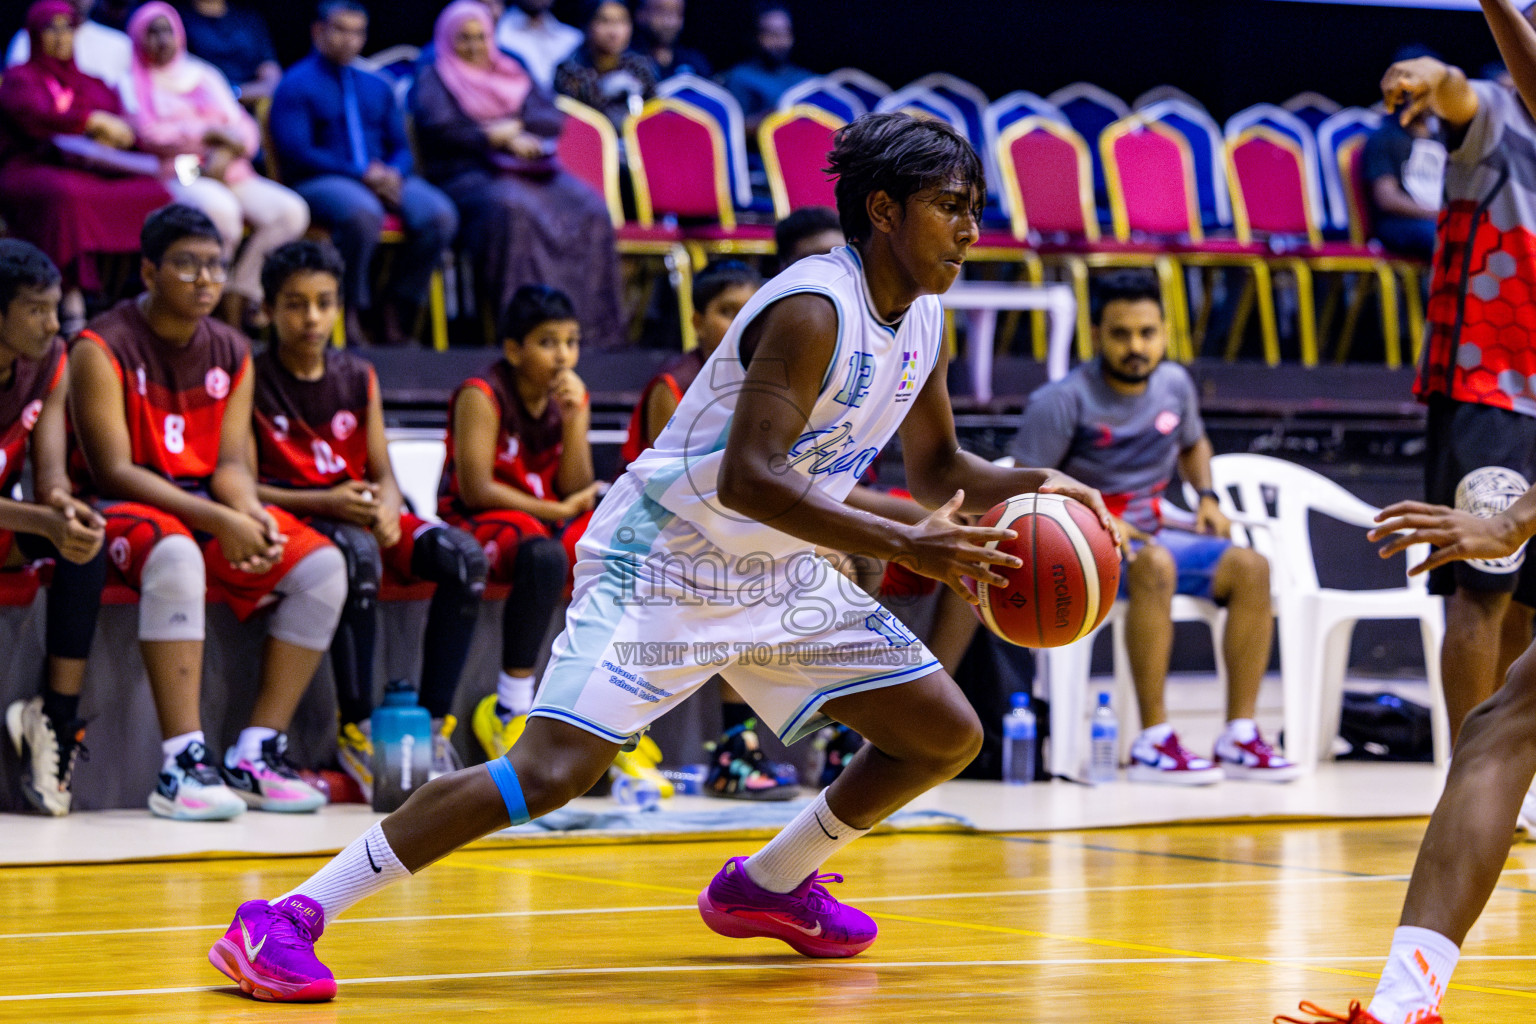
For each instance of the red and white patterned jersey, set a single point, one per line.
(312, 433)
(21, 402)
(528, 449)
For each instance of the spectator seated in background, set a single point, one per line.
(1404, 170)
(322, 455)
(180, 104)
(487, 135)
(758, 82)
(658, 23)
(537, 38)
(45, 730)
(340, 139)
(236, 41)
(519, 477)
(808, 231)
(69, 210)
(160, 396)
(100, 51)
(1121, 423)
(604, 73)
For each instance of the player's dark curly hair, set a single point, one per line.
(899, 155)
(23, 265)
(301, 257)
(1123, 286)
(169, 225)
(531, 305)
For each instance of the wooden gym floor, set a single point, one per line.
(1196, 923)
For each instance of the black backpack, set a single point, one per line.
(1385, 727)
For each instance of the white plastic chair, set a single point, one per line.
(417, 458)
(1317, 622)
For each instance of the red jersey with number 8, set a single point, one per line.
(173, 398)
(313, 433)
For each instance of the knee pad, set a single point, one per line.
(445, 555)
(173, 591)
(314, 592)
(544, 558)
(365, 567)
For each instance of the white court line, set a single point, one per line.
(562, 972)
(917, 898)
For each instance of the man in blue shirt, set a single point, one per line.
(758, 83)
(340, 138)
(236, 41)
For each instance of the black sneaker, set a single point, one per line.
(739, 771)
(270, 782)
(838, 744)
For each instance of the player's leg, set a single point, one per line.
(1469, 654)
(46, 730)
(352, 648)
(452, 560)
(1148, 584)
(1464, 849)
(310, 583)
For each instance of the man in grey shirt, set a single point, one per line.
(1122, 423)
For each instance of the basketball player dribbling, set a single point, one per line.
(707, 541)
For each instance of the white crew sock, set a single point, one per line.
(248, 746)
(174, 745)
(1242, 730)
(1153, 735)
(362, 869)
(515, 693)
(804, 846)
(1418, 970)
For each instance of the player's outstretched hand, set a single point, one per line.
(946, 549)
(1455, 535)
(1408, 86)
(1057, 482)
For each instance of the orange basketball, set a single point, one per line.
(1070, 574)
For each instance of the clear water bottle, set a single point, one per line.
(1103, 743)
(402, 746)
(1019, 742)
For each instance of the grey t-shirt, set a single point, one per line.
(1125, 445)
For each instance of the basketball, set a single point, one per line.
(1070, 574)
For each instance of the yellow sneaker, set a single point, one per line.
(354, 749)
(496, 737)
(445, 760)
(642, 763)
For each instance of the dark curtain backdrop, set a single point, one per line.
(1230, 53)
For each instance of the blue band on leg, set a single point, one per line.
(505, 777)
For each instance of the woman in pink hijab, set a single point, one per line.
(181, 106)
(73, 213)
(487, 138)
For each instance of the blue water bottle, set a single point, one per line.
(1019, 742)
(402, 746)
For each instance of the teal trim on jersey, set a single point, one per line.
(858, 260)
(807, 720)
(662, 480)
(571, 718)
(599, 619)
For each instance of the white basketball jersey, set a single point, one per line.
(875, 374)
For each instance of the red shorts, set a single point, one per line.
(134, 529)
(500, 531)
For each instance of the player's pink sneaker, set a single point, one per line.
(269, 951)
(806, 917)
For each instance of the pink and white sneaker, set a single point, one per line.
(1242, 754)
(806, 917)
(269, 951)
(1168, 762)
(269, 783)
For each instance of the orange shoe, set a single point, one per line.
(1357, 1015)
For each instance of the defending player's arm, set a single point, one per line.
(937, 466)
(475, 423)
(72, 526)
(1195, 468)
(1516, 38)
(576, 473)
(1456, 535)
(1409, 86)
(790, 345)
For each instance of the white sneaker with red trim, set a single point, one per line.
(1242, 754)
(1158, 756)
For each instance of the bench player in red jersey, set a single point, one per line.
(46, 730)
(161, 403)
(322, 455)
(519, 477)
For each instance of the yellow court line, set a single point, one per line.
(1005, 930)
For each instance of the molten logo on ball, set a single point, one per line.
(1070, 574)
